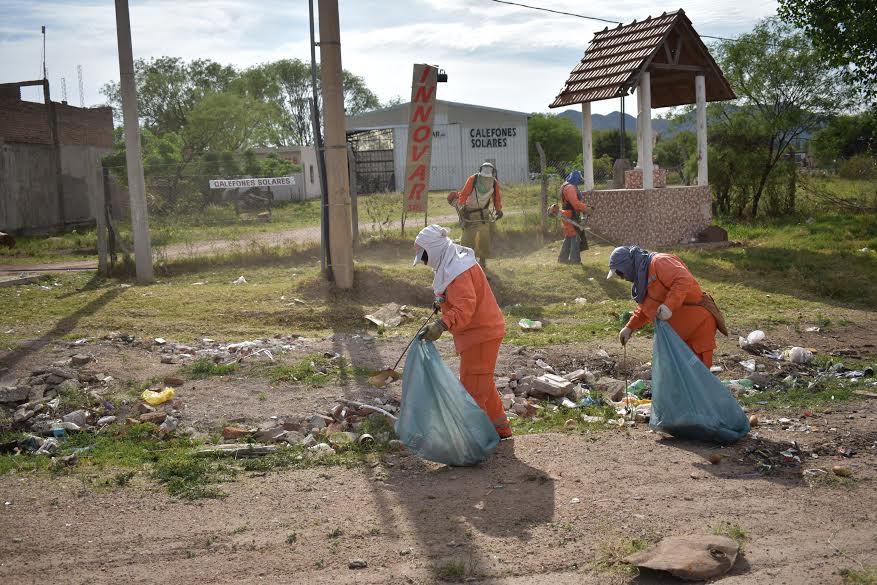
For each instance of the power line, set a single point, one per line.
(597, 18)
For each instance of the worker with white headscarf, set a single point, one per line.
(473, 203)
(470, 312)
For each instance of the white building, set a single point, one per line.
(307, 182)
(464, 136)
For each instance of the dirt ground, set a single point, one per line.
(512, 520)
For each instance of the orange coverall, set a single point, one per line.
(570, 198)
(471, 314)
(670, 283)
(470, 185)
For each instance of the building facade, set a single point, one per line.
(464, 137)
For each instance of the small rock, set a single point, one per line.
(63, 373)
(357, 564)
(309, 441)
(694, 558)
(842, 471)
(68, 386)
(753, 421)
(54, 380)
(80, 359)
(106, 420)
(155, 418)
(715, 458)
(14, 393)
(143, 408)
(269, 435)
(169, 425)
(173, 381)
(610, 387)
(168, 359)
(319, 421)
(759, 379)
(234, 432)
(77, 417)
(22, 414)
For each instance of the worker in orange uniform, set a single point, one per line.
(572, 207)
(664, 289)
(469, 311)
(473, 203)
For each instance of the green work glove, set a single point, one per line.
(434, 331)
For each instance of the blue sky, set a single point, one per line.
(495, 55)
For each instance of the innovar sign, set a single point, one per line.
(491, 137)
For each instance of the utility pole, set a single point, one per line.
(338, 181)
(136, 183)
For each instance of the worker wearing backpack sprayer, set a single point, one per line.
(572, 203)
(473, 204)
(470, 312)
(664, 289)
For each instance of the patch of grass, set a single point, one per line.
(314, 370)
(191, 478)
(610, 557)
(825, 392)
(336, 533)
(203, 368)
(451, 571)
(552, 418)
(291, 538)
(733, 531)
(866, 575)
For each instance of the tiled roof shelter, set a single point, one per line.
(667, 63)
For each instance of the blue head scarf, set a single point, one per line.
(575, 178)
(633, 264)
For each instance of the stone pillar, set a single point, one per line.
(700, 96)
(645, 134)
(587, 147)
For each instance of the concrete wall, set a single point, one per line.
(651, 218)
(28, 188)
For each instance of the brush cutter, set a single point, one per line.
(384, 377)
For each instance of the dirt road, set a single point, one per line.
(298, 236)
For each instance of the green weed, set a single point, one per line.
(203, 368)
(866, 575)
(732, 531)
(291, 538)
(191, 478)
(553, 418)
(451, 571)
(824, 393)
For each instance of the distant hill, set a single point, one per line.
(612, 122)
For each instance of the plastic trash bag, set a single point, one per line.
(687, 400)
(439, 420)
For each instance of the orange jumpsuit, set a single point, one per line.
(471, 314)
(670, 283)
(470, 185)
(569, 199)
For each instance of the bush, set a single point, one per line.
(859, 167)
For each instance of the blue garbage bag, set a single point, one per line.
(439, 420)
(687, 400)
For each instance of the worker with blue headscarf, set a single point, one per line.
(572, 203)
(665, 289)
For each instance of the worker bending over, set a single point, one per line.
(663, 288)
(572, 207)
(473, 203)
(469, 311)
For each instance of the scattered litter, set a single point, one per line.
(866, 249)
(716, 369)
(749, 365)
(813, 329)
(530, 325)
(581, 301)
(798, 355)
(160, 341)
(574, 501)
(156, 398)
(390, 315)
(240, 280)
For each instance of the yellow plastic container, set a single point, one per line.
(152, 397)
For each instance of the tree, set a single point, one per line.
(784, 90)
(675, 152)
(559, 137)
(846, 136)
(607, 142)
(287, 85)
(168, 88)
(845, 34)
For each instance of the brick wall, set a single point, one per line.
(27, 122)
(652, 218)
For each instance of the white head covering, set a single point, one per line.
(447, 259)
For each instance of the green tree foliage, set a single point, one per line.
(784, 90)
(608, 142)
(845, 34)
(559, 137)
(846, 136)
(676, 152)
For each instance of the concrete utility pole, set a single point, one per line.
(136, 183)
(340, 234)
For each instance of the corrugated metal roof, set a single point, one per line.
(616, 57)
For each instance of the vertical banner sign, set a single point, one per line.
(419, 154)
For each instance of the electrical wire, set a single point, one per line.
(597, 18)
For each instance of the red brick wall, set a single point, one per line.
(27, 122)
